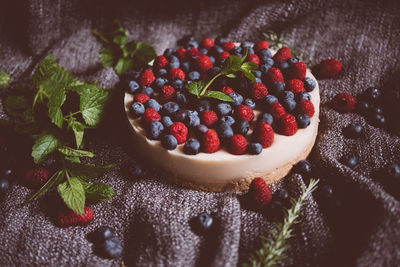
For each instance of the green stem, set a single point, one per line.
(72, 114)
(209, 83)
(100, 36)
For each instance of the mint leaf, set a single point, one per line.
(123, 65)
(195, 88)
(78, 129)
(54, 179)
(73, 159)
(120, 40)
(231, 65)
(106, 56)
(75, 152)
(144, 53)
(87, 171)
(43, 146)
(249, 75)
(4, 80)
(73, 194)
(98, 192)
(218, 95)
(246, 52)
(231, 75)
(249, 66)
(57, 96)
(91, 104)
(48, 69)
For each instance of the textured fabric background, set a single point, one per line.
(152, 216)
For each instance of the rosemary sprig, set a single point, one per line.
(273, 250)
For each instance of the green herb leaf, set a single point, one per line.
(98, 192)
(91, 104)
(231, 75)
(75, 152)
(73, 159)
(56, 178)
(87, 171)
(106, 56)
(218, 95)
(249, 75)
(4, 80)
(57, 97)
(249, 66)
(144, 53)
(73, 194)
(231, 65)
(43, 146)
(19, 107)
(123, 65)
(195, 88)
(79, 130)
(120, 40)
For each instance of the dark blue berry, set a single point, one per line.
(257, 73)
(258, 80)
(225, 131)
(250, 50)
(289, 104)
(281, 195)
(264, 53)
(134, 170)
(203, 105)
(292, 60)
(160, 82)
(152, 103)
(103, 233)
(286, 95)
(204, 222)
(185, 66)
(133, 86)
(250, 102)
(223, 109)
(7, 174)
(180, 115)
(194, 75)
(169, 142)
(220, 40)
(155, 130)
(161, 72)
(166, 121)
(147, 90)
(303, 167)
(228, 119)
(350, 161)
(277, 88)
(376, 110)
(181, 98)
(378, 120)
(137, 109)
(112, 247)
(192, 119)
(309, 84)
(236, 50)
(170, 108)
(303, 120)
(247, 44)
(216, 50)
(212, 59)
(173, 59)
(354, 130)
(4, 185)
(265, 67)
(201, 128)
(255, 148)
(131, 75)
(283, 65)
(267, 118)
(269, 100)
(192, 43)
(372, 94)
(168, 52)
(242, 127)
(269, 61)
(177, 84)
(214, 71)
(174, 64)
(303, 96)
(393, 171)
(203, 51)
(362, 107)
(191, 147)
(237, 99)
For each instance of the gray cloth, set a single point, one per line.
(152, 216)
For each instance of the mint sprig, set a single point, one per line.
(122, 53)
(4, 80)
(231, 66)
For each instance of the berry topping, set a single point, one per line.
(167, 92)
(137, 109)
(193, 52)
(298, 70)
(161, 61)
(70, 218)
(277, 110)
(147, 78)
(253, 58)
(372, 94)
(228, 46)
(191, 147)
(169, 142)
(329, 68)
(344, 102)
(255, 148)
(302, 120)
(274, 75)
(112, 248)
(224, 55)
(177, 73)
(181, 53)
(141, 98)
(238, 144)
(295, 86)
(264, 134)
(207, 43)
(36, 177)
(260, 45)
(204, 63)
(260, 193)
(282, 54)
(244, 112)
(203, 223)
(150, 114)
(286, 125)
(259, 91)
(209, 117)
(179, 131)
(306, 107)
(227, 90)
(210, 142)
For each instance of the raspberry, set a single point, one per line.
(253, 58)
(228, 46)
(150, 114)
(193, 52)
(36, 177)
(179, 131)
(71, 218)
(147, 78)
(287, 125)
(167, 92)
(274, 75)
(210, 141)
(227, 90)
(260, 193)
(207, 43)
(282, 54)
(141, 98)
(344, 102)
(238, 144)
(204, 63)
(306, 107)
(181, 53)
(244, 112)
(224, 55)
(277, 110)
(264, 134)
(209, 117)
(295, 86)
(298, 70)
(161, 61)
(329, 68)
(260, 45)
(177, 73)
(259, 91)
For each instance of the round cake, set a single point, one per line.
(272, 124)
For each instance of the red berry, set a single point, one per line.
(238, 144)
(295, 86)
(282, 54)
(277, 110)
(179, 131)
(329, 68)
(306, 107)
(167, 92)
(71, 218)
(298, 70)
(287, 125)
(147, 78)
(181, 53)
(274, 75)
(150, 114)
(193, 52)
(36, 177)
(204, 63)
(224, 55)
(344, 102)
(227, 90)
(209, 117)
(259, 91)
(207, 43)
(141, 98)
(210, 142)
(228, 46)
(253, 58)
(244, 112)
(177, 73)
(264, 134)
(260, 193)
(161, 61)
(260, 45)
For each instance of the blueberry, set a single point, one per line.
(281, 195)
(152, 103)
(134, 170)
(204, 222)
(161, 72)
(267, 118)
(214, 71)
(393, 171)
(103, 233)
(236, 50)
(216, 50)
(255, 148)
(212, 59)
(264, 53)
(303, 96)
(220, 40)
(362, 107)
(247, 44)
(303, 167)
(289, 104)
(137, 109)
(131, 75)
(112, 247)
(372, 94)
(170, 108)
(147, 90)
(181, 98)
(174, 64)
(250, 51)
(180, 115)
(194, 75)
(185, 66)
(268, 61)
(201, 128)
(277, 88)
(350, 161)
(242, 127)
(155, 130)
(192, 43)
(225, 130)
(192, 119)
(203, 105)
(173, 59)
(227, 119)
(283, 65)
(168, 52)
(132, 87)
(237, 99)
(257, 73)
(269, 100)
(191, 147)
(7, 174)
(353, 130)
(309, 84)
(160, 82)
(169, 142)
(286, 95)
(376, 110)
(203, 51)
(303, 120)
(223, 109)
(166, 121)
(292, 60)
(265, 67)
(4, 185)
(258, 80)
(177, 84)
(250, 102)
(378, 120)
